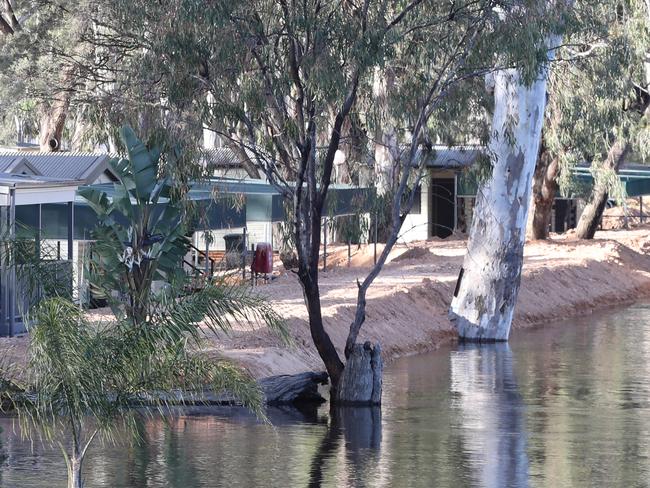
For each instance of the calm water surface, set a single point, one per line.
(563, 406)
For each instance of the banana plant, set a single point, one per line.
(141, 235)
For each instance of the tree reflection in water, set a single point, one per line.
(358, 431)
(486, 393)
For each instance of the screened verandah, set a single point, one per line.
(64, 230)
(22, 195)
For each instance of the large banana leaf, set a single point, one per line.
(144, 164)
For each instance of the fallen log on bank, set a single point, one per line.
(286, 389)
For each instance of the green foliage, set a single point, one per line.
(83, 379)
(592, 101)
(141, 236)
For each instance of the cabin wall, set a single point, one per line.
(416, 225)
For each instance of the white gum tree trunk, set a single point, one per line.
(488, 284)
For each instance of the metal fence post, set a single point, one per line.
(325, 243)
(243, 254)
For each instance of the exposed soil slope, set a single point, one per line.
(407, 304)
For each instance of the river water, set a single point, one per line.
(567, 405)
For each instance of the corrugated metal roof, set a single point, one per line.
(84, 167)
(220, 157)
(11, 163)
(33, 181)
(454, 156)
(443, 157)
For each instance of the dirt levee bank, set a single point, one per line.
(407, 304)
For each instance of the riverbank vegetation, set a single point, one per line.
(309, 95)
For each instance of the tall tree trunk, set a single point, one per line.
(545, 188)
(593, 212)
(54, 116)
(321, 338)
(487, 288)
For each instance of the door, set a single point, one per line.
(441, 221)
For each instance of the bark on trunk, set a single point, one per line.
(55, 115)
(593, 212)
(545, 188)
(74, 472)
(321, 339)
(487, 288)
(52, 125)
(361, 381)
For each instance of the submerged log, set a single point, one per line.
(294, 388)
(285, 389)
(361, 381)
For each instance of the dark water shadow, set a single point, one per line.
(493, 413)
(358, 431)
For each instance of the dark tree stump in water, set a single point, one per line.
(361, 380)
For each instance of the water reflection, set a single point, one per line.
(484, 389)
(567, 406)
(356, 430)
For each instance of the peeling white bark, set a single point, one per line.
(484, 302)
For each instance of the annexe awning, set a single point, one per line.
(33, 190)
(30, 192)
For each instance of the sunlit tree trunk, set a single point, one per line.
(487, 288)
(55, 115)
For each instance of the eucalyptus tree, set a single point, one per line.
(66, 78)
(488, 284)
(623, 130)
(595, 109)
(282, 81)
(39, 71)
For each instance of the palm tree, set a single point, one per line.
(83, 379)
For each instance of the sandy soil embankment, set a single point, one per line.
(407, 304)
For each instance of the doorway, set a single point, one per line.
(442, 215)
